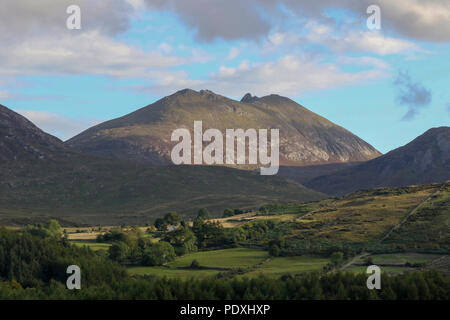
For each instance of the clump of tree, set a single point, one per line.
(182, 239)
(195, 264)
(170, 219)
(275, 246)
(36, 259)
(232, 212)
(52, 229)
(211, 234)
(115, 234)
(336, 258)
(158, 254)
(203, 214)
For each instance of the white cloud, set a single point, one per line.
(364, 61)
(289, 76)
(234, 53)
(358, 40)
(86, 53)
(4, 94)
(56, 124)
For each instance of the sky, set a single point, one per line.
(387, 85)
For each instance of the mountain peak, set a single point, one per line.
(144, 135)
(248, 98)
(424, 160)
(20, 139)
(183, 92)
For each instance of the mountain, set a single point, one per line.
(424, 160)
(22, 140)
(144, 135)
(305, 174)
(41, 178)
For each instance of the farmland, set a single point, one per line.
(395, 263)
(248, 263)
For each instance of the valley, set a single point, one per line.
(295, 239)
(108, 201)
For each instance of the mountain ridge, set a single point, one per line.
(426, 159)
(144, 135)
(22, 140)
(48, 179)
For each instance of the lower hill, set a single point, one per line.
(90, 190)
(305, 174)
(426, 159)
(42, 178)
(413, 218)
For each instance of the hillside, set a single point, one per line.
(22, 140)
(144, 135)
(39, 178)
(417, 217)
(424, 160)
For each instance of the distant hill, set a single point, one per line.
(424, 160)
(22, 140)
(144, 135)
(40, 177)
(304, 174)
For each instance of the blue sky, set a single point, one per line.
(387, 86)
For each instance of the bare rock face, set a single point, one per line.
(426, 159)
(144, 135)
(22, 140)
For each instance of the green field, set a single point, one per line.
(401, 258)
(93, 245)
(220, 259)
(289, 265)
(388, 270)
(233, 259)
(171, 272)
(392, 259)
(227, 258)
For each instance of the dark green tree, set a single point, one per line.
(172, 218)
(203, 213)
(158, 254)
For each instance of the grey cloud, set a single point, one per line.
(236, 19)
(416, 19)
(212, 19)
(20, 19)
(412, 94)
(231, 19)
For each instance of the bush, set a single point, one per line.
(228, 213)
(274, 250)
(195, 264)
(337, 257)
(158, 254)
